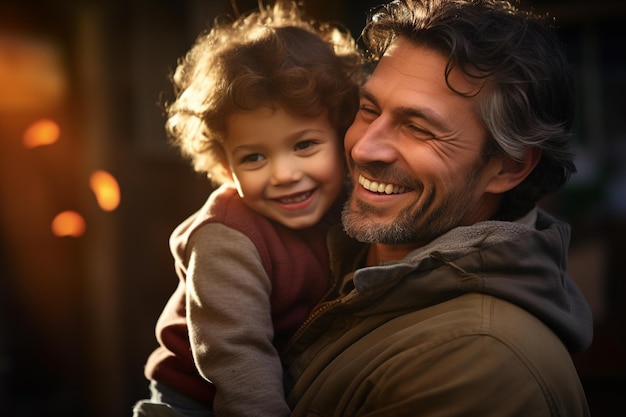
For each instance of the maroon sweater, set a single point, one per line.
(296, 262)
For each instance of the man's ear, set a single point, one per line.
(512, 172)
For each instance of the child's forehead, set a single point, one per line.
(276, 122)
(275, 108)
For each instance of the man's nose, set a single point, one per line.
(374, 143)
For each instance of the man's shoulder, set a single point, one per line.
(488, 321)
(460, 351)
(491, 342)
(468, 315)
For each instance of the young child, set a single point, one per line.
(262, 106)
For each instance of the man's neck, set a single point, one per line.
(379, 252)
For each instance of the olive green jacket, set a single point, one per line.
(480, 322)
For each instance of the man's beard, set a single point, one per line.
(403, 229)
(417, 222)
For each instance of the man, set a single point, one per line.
(458, 303)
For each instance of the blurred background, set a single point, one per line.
(90, 191)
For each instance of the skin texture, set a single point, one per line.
(422, 145)
(288, 168)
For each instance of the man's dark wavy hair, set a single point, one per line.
(527, 97)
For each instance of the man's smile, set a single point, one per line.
(381, 187)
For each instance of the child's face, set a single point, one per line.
(288, 168)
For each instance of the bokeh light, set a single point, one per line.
(68, 223)
(106, 190)
(40, 133)
(32, 74)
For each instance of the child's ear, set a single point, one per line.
(228, 173)
(511, 172)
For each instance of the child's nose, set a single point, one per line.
(285, 170)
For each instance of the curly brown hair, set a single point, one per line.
(275, 56)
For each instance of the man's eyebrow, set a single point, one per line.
(424, 113)
(368, 96)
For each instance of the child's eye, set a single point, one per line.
(252, 158)
(305, 144)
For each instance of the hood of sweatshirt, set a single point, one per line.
(524, 265)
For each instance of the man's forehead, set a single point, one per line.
(418, 57)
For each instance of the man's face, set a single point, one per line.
(415, 152)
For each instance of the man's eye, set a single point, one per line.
(366, 109)
(420, 131)
(368, 113)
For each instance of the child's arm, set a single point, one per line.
(230, 324)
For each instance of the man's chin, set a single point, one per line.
(366, 230)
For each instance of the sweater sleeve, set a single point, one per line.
(230, 323)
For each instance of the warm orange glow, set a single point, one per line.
(68, 223)
(42, 132)
(106, 190)
(32, 74)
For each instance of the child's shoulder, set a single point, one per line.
(225, 205)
